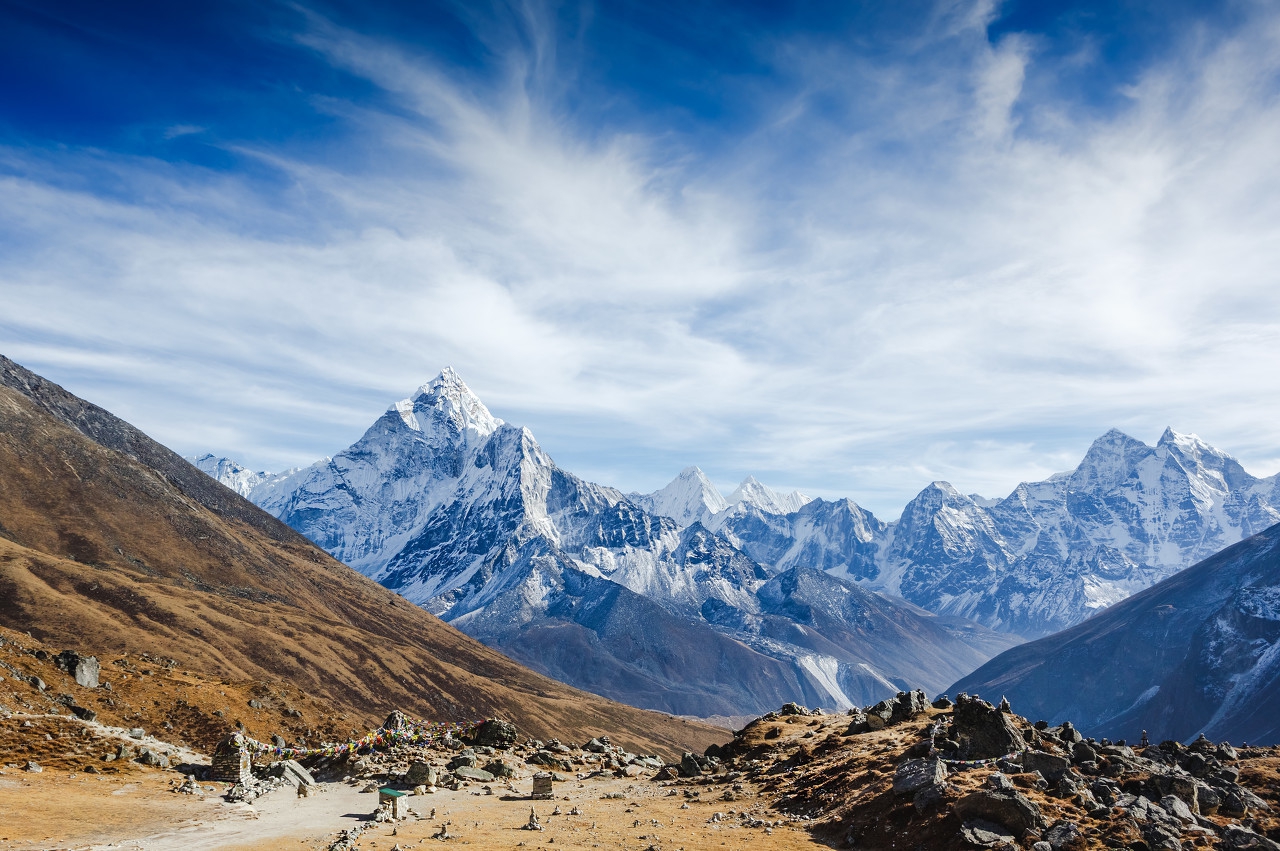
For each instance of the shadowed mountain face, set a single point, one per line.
(1198, 652)
(110, 542)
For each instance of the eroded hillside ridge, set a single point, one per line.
(468, 517)
(102, 553)
(1197, 653)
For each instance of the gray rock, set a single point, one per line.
(1069, 734)
(986, 834)
(496, 733)
(1000, 782)
(1082, 752)
(293, 773)
(84, 669)
(550, 760)
(915, 774)
(478, 774)
(396, 720)
(255, 704)
(146, 756)
(33, 767)
(1050, 765)
(1207, 799)
(1011, 809)
(421, 774)
(689, 766)
(466, 759)
(983, 731)
(84, 714)
(929, 796)
(498, 768)
(1177, 808)
(1237, 836)
(1063, 835)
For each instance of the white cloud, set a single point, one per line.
(923, 286)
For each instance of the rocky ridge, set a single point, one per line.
(971, 774)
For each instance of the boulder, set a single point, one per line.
(915, 774)
(1237, 836)
(550, 760)
(496, 733)
(689, 766)
(292, 773)
(793, 709)
(986, 834)
(1049, 765)
(397, 720)
(146, 756)
(498, 768)
(1013, 810)
(421, 774)
(84, 714)
(84, 669)
(929, 796)
(1064, 835)
(477, 774)
(983, 731)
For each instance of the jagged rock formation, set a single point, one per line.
(912, 783)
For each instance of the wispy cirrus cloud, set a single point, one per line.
(904, 267)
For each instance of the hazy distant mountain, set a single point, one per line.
(1047, 556)
(468, 517)
(1198, 652)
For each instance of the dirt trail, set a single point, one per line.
(141, 814)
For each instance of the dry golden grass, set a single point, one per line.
(107, 555)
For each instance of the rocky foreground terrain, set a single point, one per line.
(900, 774)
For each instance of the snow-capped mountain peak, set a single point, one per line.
(689, 498)
(233, 474)
(753, 492)
(447, 400)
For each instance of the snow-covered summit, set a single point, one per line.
(689, 498)
(752, 492)
(446, 401)
(233, 474)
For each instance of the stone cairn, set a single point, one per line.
(231, 762)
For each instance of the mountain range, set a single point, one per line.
(467, 516)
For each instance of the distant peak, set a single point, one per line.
(753, 492)
(1173, 438)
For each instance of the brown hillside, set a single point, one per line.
(110, 543)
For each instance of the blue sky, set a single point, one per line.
(846, 247)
